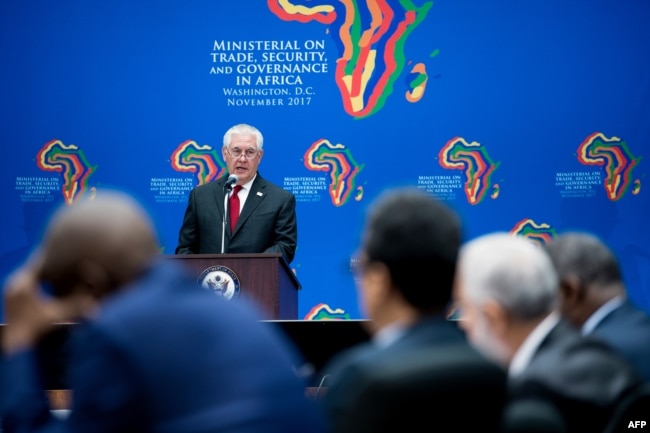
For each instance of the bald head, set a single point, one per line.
(97, 245)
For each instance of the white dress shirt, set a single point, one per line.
(388, 335)
(243, 192)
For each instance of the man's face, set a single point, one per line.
(479, 327)
(371, 280)
(242, 166)
(573, 300)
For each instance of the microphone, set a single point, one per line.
(232, 179)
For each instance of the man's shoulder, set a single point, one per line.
(581, 365)
(169, 299)
(574, 349)
(271, 187)
(628, 316)
(352, 358)
(367, 358)
(154, 285)
(443, 365)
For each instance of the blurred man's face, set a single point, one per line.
(370, 279)
(479, 326)
(485, 340)
(242, 157)
(365, 282)
(573, 302)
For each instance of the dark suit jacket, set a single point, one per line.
(427, 376)
(168, 356)
(581, 376)
(627, 330)
(267, 223)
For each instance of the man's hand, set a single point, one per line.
(28, 313)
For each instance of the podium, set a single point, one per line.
(265, 279)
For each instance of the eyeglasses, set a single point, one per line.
(237, 153)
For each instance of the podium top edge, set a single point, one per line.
(226, 255)
(278, 256)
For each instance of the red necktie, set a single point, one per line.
(234, 207)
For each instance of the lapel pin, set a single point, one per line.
(259, 194)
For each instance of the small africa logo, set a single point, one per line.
(358, 195)
(325, 312)
(417, 82)
(614, 155)
(202, 160)
(473, 159)
(343, 169)
(541, 233)
(371, 37)
(71, 162)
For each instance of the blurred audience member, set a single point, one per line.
(593, 297)
(152, 351)
(507, 290)
(405, 270)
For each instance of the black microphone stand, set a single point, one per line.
(226, 205)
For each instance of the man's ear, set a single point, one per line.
(496, 317)
(378, 276)
(572, 291)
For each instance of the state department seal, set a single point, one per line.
(221, 280)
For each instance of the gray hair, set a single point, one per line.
(244, 129)
(585, 256)
(511, 270)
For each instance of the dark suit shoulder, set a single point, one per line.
(579, 367)
(270, 187)
(394, 388)
(627, 330)
(434, 337)
(628, 316)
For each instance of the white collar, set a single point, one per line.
(527, 350)
(243, 192)
(248, 185)
(388, 335)
(598, 315)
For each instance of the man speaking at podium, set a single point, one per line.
(241, 212)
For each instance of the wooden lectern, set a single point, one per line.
(266, 279)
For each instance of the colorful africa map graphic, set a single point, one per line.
(71, 162)
(325, 312)
(614, 155)
(540, 233)
(202, 160)
(370, 36)
(343, 169)
(473, 159)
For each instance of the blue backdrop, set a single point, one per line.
(530, 117)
